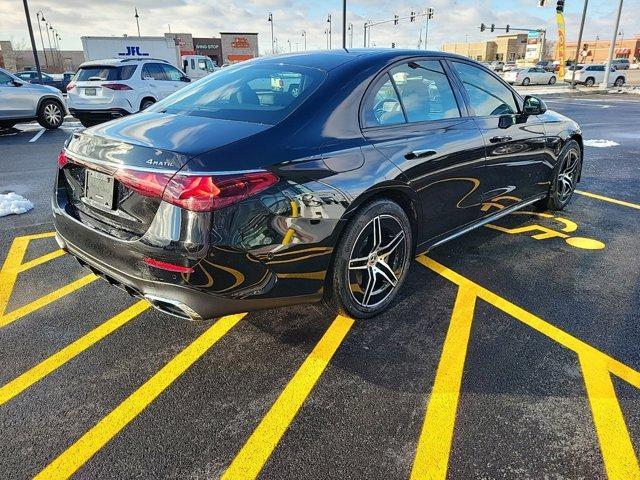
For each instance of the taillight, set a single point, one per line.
(70, 86)
(62, 159)
(170, 267)
(197, 193)
(116, 86)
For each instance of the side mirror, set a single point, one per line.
(533, 106)
(506, 121)
(16, 83)
(185, 79)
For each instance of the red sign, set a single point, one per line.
(240, 42)
(240, 58)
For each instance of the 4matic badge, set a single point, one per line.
(160, 163)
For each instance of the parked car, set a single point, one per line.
(496, 65)
(547, 65)
(105, 89)
(589, 75)
(21, 101)
(620, 63)
(64, 78)
(235, 194)
(31, 76)
(509, 66)
(530, 76)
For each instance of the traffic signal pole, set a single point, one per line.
(584, 16)
(605, 82)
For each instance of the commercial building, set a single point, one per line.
(238, 46)
(211, 47)
(597, 51)
(508, 47)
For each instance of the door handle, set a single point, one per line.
(415, 154)
(500, 139)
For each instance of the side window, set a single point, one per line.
(153, 71)
(172, 73)
(5, 79)
(487, 95)
(193, 64)
(382, 106)
(425, 91)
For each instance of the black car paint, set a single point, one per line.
(328, 166)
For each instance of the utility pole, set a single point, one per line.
(273, 44)
(344, 24)
(304, 35)
(329, 22)
(605, 82)
(33, 41)
(137, 21)
(579, 45)
(44, 51)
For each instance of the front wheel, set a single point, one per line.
(565, 177)
(371, 260)
(619, 82)
(590, 82)
(552, 80)
(50, 114)
(526, 81)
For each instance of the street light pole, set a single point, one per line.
(351, 35)
(44, 51)
(329, 22)
(58, 38)
(273, 44)
(33, 41)
(584, 16)
(47, 27)
(304, 35)
(344, 24)
(605, 82)
(137, 21)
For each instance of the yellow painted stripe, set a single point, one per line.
(37, 236)
(86, 446)
(434, 444)
(10, 270)
(264, 439)
(617, 450)
(608, 199)
(45, 300)
(55, 361)
(569, 341)
(40, 260)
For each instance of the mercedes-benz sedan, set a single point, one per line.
(305, 178)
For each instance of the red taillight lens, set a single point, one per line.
(204, 193)
(70, 86)
(62, 159)
(116, 86)
(198, 193)
(170, 267)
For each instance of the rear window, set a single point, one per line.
(124, 72)
(249, 93)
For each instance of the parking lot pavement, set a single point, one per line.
(511, 352)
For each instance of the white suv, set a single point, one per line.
(590, 75)
(111, 88)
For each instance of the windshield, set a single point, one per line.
(105, 72)
(249, 93)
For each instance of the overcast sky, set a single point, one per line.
(454, 19)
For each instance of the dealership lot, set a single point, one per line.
(512, 352)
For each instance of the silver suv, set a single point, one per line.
(21, 101)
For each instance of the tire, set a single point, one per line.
(526, 81)
(364, 279)
(50, 114)
(619, 82)
(570, 158)
(88, 123)
(552, 81)
(590, 82)
(146, 103)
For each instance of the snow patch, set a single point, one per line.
(12, 203)
(600, 143)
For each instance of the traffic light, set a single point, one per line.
(493, 27)
(395, 19)
(507, 29)
(430, 12)
(541, 3)
(560, 6)
(483, 27)
(412, 18)
(393, 44)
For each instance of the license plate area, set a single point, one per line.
(99, 189)
(90, 92)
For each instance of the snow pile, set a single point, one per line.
(13, 203)
(600, 143)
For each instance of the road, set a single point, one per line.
(511, 352)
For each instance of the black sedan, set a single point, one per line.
(31, 76)
(305, 178)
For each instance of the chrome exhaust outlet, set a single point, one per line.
(173, 307)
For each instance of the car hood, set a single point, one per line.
(43, 88)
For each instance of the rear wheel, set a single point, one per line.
(565, 177)
(552, 80)
(590, 82)
(146, 103)
(371, 260)
(526, 81)
(50, 114)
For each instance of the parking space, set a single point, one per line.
(512, 352)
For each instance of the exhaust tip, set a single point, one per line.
(173, 307)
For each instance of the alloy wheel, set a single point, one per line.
(377, 260)
(567, 176)
(52, 114)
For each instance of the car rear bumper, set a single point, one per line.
(96, 114)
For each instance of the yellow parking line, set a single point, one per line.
(617, 450)
(55, 361)
(608, 199)
(264, 439)
(86, 446)
(40, 260)
(434, 444)
(45, 300)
